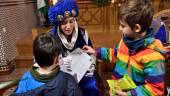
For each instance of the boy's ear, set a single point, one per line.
(137, 28)
(56, 60)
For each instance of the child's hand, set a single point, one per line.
(120, 93)
(66, 64)
(110, 93)
(89, 49)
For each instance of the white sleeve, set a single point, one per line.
(86, 37)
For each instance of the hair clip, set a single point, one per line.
(60, 17)
(73, 12)
(67, 13)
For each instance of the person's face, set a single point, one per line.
(67, 26)
(59, 59)
(131, 33)
(126, 29)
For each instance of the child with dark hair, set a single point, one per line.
(138, 54)
(47, 79)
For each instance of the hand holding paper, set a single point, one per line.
(78, 63)
(65, 66)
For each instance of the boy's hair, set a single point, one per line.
(46, 47)
(136, 12)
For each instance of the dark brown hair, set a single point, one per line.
(46, 47)
(136, 12)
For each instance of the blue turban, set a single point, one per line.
(61, 10)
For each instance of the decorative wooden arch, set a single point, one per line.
(166, 19)
(162, 13)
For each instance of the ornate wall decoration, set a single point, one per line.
(91, 16)
(17, 19)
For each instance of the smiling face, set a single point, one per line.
(133, 33)
(126, 29)
(67, 26)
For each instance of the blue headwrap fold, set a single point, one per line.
(61, 10)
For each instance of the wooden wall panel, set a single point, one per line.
(92, 17)
(113, 22)
(101, 23)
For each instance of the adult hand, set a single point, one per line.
(90, 71)
(89, 49)
(110, 93)
(120, 93)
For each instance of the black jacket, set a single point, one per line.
(62, 85)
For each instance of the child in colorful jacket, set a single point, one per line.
(138, 53)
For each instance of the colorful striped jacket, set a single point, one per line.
(145, 67)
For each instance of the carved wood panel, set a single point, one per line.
(101, 23)
(92, 17)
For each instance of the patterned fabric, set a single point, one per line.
(145, 66)
(69, 45)
(79, 40)
(13, 29)
(61, 10)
